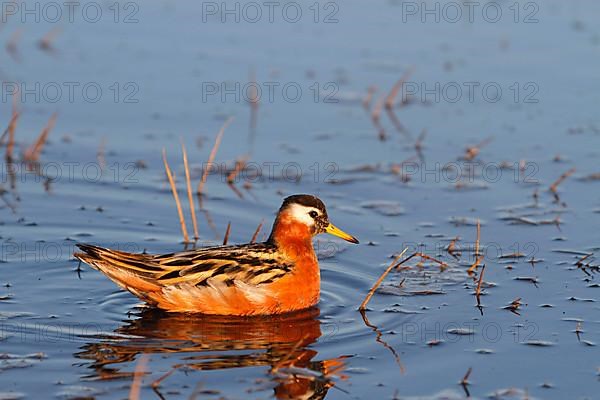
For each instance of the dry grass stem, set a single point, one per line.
(226, 238)
(256, 232)
(478, 258)
(426, 257)
(33, 152)
(12, 127)
(189, 191)
(389, 100)
(176, 197)
(393, 264)
(553, 188)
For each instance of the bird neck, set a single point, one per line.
(292, 237)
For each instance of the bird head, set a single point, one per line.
(309, 212)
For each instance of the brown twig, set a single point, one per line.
(553, 188)
(426, 257)
(138, 374)
(514, 306)
(478, 238)
(33, 152)
(176, 197)
(465, 379)
(478, 258)
(393, 264)
(213, 152)
(226, 238)
(257, 231)
(189, 191)
(12, 126)
(472, 151)
(156, 383)
(389, 100)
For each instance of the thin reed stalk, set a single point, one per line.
(176, 197)
(189, 191)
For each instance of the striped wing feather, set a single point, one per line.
(252, 264)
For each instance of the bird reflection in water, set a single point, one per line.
(280, 343)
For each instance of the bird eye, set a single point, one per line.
(313, 214)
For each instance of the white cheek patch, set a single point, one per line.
(300, 213)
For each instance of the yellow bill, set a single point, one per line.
(335, 231)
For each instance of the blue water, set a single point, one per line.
(81, 336)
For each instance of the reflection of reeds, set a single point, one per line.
(101, 154)
(32, 154)
(254, 103)
(45, 43)
(211, 157)
(465, 382)
(367, 100)
(451, 249)
(240, 164)
(134, 392)
(189, 191)
(379, 339)
(289, 354)
(11, 46)
(176, 197)
(478, 289)
(375, 117)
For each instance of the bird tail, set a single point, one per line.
(133, 272)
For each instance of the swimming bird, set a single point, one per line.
(277, 276)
